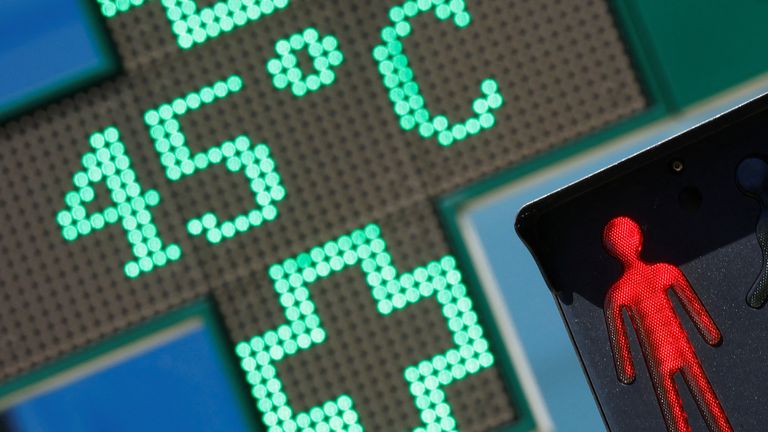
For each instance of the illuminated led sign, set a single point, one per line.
(392, 291)
(238, 133)
(240, 154)
(245, 156)
(643, 292)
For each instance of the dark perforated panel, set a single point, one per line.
(344, 162)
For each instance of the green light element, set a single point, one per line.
(392, 291)
(192, 26)
(110, 8)
(325, 55)
(108, 163)
(238, 155)
(397, 76)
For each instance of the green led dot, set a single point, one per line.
(97, 141)
(140, 250)
(489, 86)
(380, 54)
(80, 179)
(267, 6)
(72, 199)
(171, 126)
(310, 35)
(122, 163)
(459, 132)
(64, 218)
(119, 196)
(445, 138)
(255, 218)
(159, 259)
(283, 47)
(207, 95)
(327, 77)
(293, 74)
(214, 155)
(89, 160)
(313, 82)
(487, 120)
(241, 223)
(403, 29)
(335, 58)
(173, 252)
(111, 215)
(69, 232)
(195, 227)
(213, 235)
(274, 66)
(388, 34)
(269, 212)
(117, 148)
(97, 221)
(209, 220)
(495, 101)
(396, 14)
(443, 11)
(480, 106)
(111, 134)
(108, 10)
(299, 88)
(473, 126)
(228, 229)
(135, 237)
(297, 41)
(220, 89)
(146, 264)
(132, 269)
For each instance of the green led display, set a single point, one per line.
(109, 163)
(285, 68)
(397, 76)
(238, 155)
(192, 26)
(392, 291)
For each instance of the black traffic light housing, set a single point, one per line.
(699, 199)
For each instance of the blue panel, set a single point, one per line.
(47, 48)
(179, 385)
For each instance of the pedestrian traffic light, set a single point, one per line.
(660, 260)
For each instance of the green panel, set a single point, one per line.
(700, 47)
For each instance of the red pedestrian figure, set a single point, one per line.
(643, 291)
